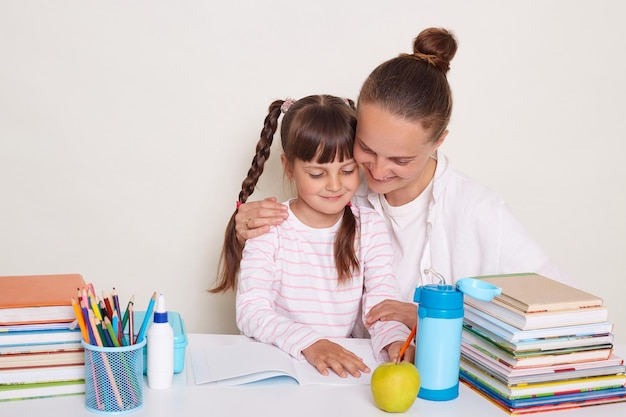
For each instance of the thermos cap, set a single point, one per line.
(443, 297)
(448, 297)
(478, 289)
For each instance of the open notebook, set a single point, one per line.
(251, 361)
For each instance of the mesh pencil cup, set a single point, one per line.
(113, 378)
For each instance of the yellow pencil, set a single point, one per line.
(90, 301)
(80, 319)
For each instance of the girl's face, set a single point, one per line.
(394, 154)
(323, 189)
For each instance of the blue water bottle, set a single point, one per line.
(439, 327)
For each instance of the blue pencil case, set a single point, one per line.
(180, 339)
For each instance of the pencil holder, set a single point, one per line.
(113, 378)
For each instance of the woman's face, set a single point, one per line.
(394, 154)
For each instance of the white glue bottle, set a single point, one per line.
(160, 342)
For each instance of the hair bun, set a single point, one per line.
(436, 46)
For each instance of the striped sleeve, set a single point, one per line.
(256, 311)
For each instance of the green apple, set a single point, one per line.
(395, 386)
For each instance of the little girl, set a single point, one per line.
(314, 276)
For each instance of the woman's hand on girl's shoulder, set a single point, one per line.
(389, 310)
(255, 218)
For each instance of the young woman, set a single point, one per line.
(438, 218)
(313, 276)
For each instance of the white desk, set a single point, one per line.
(189, 400)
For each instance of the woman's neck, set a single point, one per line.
(409, 193)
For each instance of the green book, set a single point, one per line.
(40, 390)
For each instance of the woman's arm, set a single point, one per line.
(392, 310)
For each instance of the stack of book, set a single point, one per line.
(40, 354)
(541, 345)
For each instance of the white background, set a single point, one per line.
(127, 127)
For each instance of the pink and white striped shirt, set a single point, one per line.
(288, 293)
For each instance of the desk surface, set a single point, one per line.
(189, 400)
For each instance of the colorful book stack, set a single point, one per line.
(541, 345)
(40, 355)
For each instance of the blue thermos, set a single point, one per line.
(439, 328)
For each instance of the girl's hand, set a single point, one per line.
(324, 355)
(255, 218)
(392, 310)
(393, 349)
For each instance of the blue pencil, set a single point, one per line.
(146, 318)
(106, 335)
(115, 324)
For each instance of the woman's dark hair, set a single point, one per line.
(415, 86)
(318, 128)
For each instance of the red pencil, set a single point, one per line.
(107, 303)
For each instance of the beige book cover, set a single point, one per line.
(532, 293)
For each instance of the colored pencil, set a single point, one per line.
(125, 318)
(92, 337)
(85, 313)
(95, 380)
(107, 303)
(109, 371)
(101, 325)
(109, 328)
(131, 323)
(81, 319)
(406, 344)
(106, 337)
(106, 363)
(92, 322)
(115, 325)
(95, 307)
(116, 302)
(146, 318)
(103, 308)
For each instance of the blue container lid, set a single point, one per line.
(478, 289)
(439, 296)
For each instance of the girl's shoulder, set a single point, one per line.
(366, 215)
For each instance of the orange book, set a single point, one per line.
(26, 299)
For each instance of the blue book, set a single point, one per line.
(514, 334)
(38, 337)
